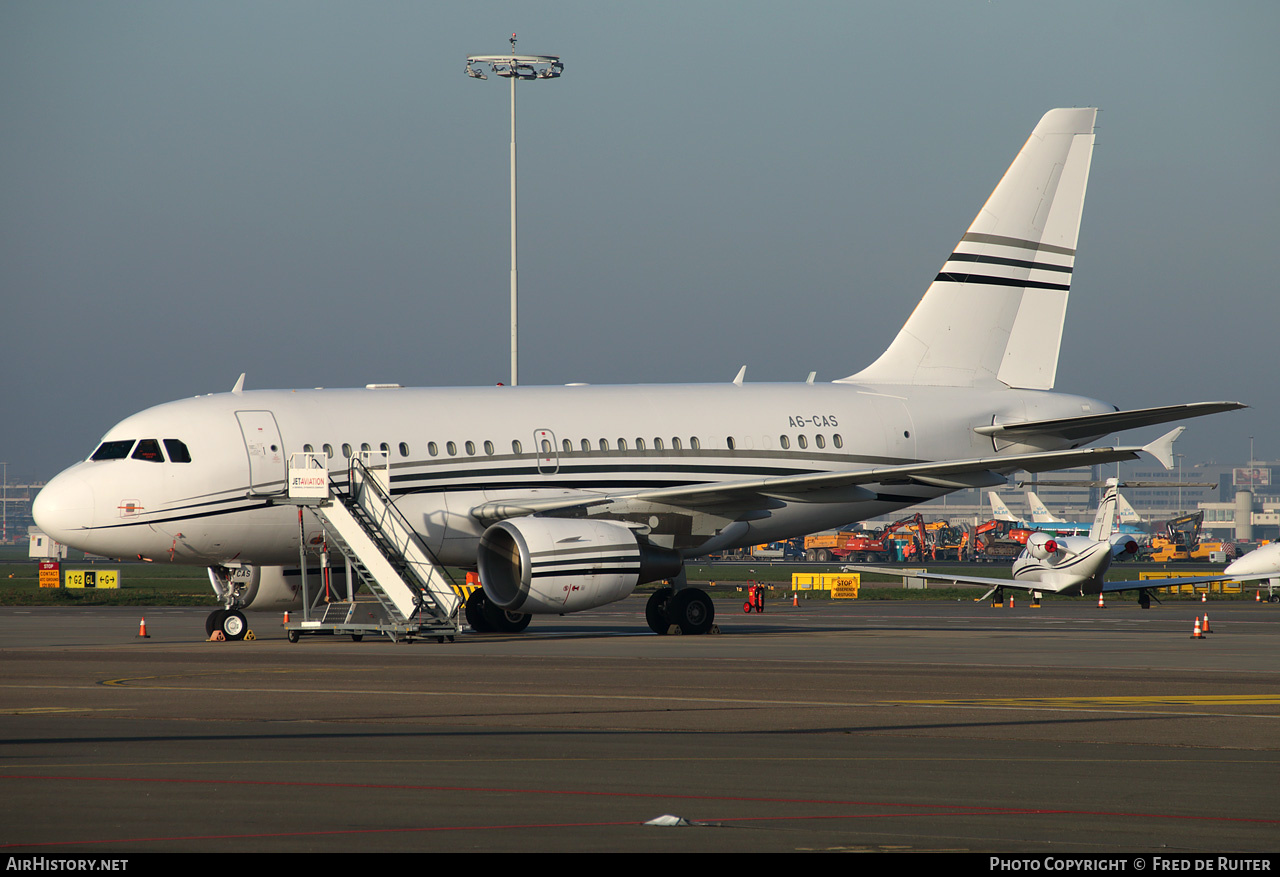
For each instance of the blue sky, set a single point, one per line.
(314, 193)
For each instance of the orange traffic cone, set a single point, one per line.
(1101, 605)
(1204, 628)
(1196, 634)
(795, 598)
(1204, 596)
(1257, 596)
(286, 618)
(1010, 601)
(142, 629)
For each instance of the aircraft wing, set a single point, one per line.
(1108, 587)
(834, 487)
(1092, 425)
(985, 581)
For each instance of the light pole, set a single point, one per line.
(513, 67)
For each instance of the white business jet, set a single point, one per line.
(567, 498)
(1077, 565)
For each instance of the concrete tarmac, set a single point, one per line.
(853, 726)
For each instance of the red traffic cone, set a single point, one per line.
(142, 629)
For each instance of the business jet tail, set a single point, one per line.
(1104, 521)
(995, 312)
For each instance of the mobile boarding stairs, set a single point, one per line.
(413, 595)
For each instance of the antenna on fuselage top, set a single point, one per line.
(239, 387)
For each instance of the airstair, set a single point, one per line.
(415, 596)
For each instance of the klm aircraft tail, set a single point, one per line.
(995, 311)
(999, 510)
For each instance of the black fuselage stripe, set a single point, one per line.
(999, 281)
(1012, 263)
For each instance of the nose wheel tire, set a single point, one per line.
(234, 625)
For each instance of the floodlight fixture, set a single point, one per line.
(514, 67)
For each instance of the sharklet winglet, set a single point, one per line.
(1162, 448)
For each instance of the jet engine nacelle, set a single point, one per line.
(271, 588)
(557, 565)
(1125, 546)
(1042, 545)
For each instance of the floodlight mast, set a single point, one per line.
(514, 67)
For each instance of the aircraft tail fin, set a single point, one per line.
(1040, 513)
(1127, 513)
(999, 510)
(1104, 521)
(996, 310)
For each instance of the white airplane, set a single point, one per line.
(1261, 563)
(1127, 513)
(1040, 513)
(1077, 565)
(1000, 511)
(567, 498)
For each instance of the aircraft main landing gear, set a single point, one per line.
(689, 609)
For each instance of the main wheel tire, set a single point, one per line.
(214, 621)
(477, 617)
(234, 625)
(692, 610)
(655, 611)
(509, 622)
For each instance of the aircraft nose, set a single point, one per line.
(1261, 560)
(64, 507)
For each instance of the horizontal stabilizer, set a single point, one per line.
(1092, 426)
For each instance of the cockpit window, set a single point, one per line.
(178, 452)
(116, 450)
(149, 450)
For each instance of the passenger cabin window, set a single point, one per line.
(639, 444)
(346, 450)
(471, 449)
(328, 451)
(657, 444)
(432, 449)
(568, 446)
(729, 442)
(586, 445)
(404, 449)
(452, 449)
(675, 443)
(178, 452)
(516, 447)
(837, 441)
(149, 450)
(488, 447)
(820, 440)
(116, 450)
(695, 444)
(784, 442)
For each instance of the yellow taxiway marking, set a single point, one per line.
(1141, 700)
(53, 710)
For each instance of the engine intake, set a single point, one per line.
(556, 565)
